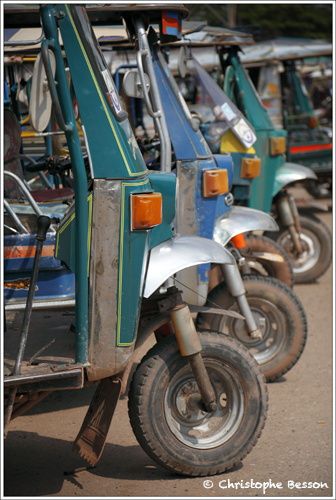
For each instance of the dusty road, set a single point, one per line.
(296, 444)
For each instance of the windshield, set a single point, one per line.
(223, 108)
(97, 60)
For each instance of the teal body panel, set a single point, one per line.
(301, 100)
(65, 249)
(133, 251)
(102, 127)
(240, 89)
(241, 188)
(262, 187)
(114, 155)
(164, 183)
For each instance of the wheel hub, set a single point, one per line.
(189, 403)
(310, 255)
(187, 417)
(272, 324)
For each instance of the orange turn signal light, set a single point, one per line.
(215, 182)
(239, 241)
(277, 146)
(146, 210)
(250, 168)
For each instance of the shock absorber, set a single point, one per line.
(190, 347)
(236, 288)
(290, 218)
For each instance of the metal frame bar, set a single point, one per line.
(25, 191)
(80, 183)
(15, 217)
(159, 118)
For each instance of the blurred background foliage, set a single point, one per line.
(268, 21)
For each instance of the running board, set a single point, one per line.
(72, 378)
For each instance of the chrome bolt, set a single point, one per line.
(223, 400)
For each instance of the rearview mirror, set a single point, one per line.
(132, 84)
(40, 103)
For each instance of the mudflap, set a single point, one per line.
(91, 438)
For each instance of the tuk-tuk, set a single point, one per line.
(204, 205)
(275, 68)
(197, 401)
(303, 235)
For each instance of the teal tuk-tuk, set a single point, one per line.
(197, 402)
(305, 237)
(275, 68)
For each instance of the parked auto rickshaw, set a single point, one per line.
(274, 67)
(197, 401)
(303, 235)
(205, 209)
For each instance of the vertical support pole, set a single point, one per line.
(80, 181)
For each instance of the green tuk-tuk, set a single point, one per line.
(197, 401)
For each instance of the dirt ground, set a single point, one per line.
(295, 446)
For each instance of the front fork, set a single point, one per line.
(186, 335)
(290, 218)
(190, 347)
(236, 288)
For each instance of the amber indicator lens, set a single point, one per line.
(250, 168)
(215, 182)
(239, 241)
(146, 210)
(277, 145)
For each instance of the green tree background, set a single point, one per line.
(268, 21)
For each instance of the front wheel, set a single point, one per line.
(170, 422)
(317, 249)
(279, 315)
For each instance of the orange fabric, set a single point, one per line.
(27, 252)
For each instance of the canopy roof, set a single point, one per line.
(210, 36)
(27, 15)
(284, 49)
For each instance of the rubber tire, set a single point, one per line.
(280, 270)
(286, 301)
(321, 231)
(146, 407)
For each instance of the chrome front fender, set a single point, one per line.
(291, 172)
(179, 253)
(242, 220)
